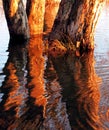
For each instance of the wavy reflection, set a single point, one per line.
(56, 112)
(13, 88)
(36, 71)
(34, 114)
(79, 90)
(68, 97)
(23, 105)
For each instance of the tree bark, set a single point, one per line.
(16, 19)
(51, 9)
(35, 11)
(76, 20)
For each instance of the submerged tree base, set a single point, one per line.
(58, 48)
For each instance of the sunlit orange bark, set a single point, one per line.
(16, 18)
(51, 9)
(76, 19)
(13, 7)
(35, 11)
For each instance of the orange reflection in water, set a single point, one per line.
(36, 67)
(12, 81)
(89, 94)
(80, 90)
(14, 85)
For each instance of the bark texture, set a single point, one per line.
(16, 18)
(35, 11)
(51, 9)
(76, 19)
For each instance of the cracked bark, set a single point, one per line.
(35, 11)
(77, 19)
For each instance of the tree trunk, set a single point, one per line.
(35, 11)
(76, 20)
(16, 19)
(51, 9)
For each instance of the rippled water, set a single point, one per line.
(4, 39)
(102, 63)
(46, 93)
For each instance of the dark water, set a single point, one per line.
(46, 93)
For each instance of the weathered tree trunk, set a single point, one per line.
(51, 9)
(16, 19)
(35, 11)
(76, 19)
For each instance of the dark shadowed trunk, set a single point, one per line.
(76, 19)
(16, 18)
(35, 11)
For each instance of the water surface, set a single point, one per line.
(102, 62)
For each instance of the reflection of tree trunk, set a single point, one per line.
(15, 93)
(23, 104)
(36, 67)
(16, 18)
(56, 113)
(80, 90)
(35, 105)
(77, 19)
(35, 11)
